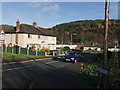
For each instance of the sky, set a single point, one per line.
(49, 14)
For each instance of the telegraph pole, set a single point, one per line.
(106, 30)
(71, 39)
(105, 65)
(62, 40)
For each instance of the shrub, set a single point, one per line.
(90, 70)
(114, 70)
(66, 48)
(45, 50)
(113, 66)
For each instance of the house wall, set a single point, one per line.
(23, 40)
(43, 41)
(71, 46)
(10, 38)
(92, 48)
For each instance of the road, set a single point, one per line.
(48, 73)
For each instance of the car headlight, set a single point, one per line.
(72, 58)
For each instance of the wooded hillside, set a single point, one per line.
(87, 31)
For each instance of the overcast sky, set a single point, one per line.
(49, 14)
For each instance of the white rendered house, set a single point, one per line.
(24, 35)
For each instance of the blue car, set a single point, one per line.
(73, 56)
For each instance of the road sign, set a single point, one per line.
(101, 70)
(2, 35)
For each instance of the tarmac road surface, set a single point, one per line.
(40, 74)
(43, 73)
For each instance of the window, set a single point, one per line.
(38, 36)
(29, 36)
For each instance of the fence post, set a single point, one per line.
(65, 52)
(12, 50)
(45, 53)
(62, 52)
(5, 48)
(59, 52)
(53, 53)
(19, 50)
(27, 51)
(36, 52)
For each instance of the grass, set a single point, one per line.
(7, 56)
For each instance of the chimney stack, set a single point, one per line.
(35, 24)
(17, 26)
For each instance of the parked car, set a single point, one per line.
(73, 56)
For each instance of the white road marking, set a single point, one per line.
(51, 62)
(14, 68)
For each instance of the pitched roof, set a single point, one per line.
(29, 29)
(8, 28)
(46, 32)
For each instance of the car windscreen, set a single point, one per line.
(73, 53)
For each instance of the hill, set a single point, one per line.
(85, 31)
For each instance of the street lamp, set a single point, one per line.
(72, 37)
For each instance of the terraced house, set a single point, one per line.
(24, 35)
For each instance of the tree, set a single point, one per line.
(81, 39)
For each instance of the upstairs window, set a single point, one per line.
(38, 36)
(29, 36)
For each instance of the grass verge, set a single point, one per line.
(7, 56)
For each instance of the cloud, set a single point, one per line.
(33, 4)
(51, 8)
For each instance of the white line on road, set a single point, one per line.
(14, 68)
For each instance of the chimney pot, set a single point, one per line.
(35, 24)
(17, 26)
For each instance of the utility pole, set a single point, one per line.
(71, 39)
(106, 30)
(71, 36)
(62, 40)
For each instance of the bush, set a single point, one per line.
(113, 66)
(114, 70)
(45, 50)
(90, 70)
(66, 48)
